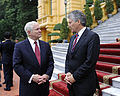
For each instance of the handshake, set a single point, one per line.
(40, 79)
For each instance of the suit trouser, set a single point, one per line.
(8, 74)
(75, 92)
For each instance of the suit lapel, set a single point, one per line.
(71, 42)
(80, 41)
(31, 52)
(42, 50)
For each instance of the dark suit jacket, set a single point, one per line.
(82, 61)
(7, 48)
(25, 64)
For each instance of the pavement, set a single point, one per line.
(14, 90)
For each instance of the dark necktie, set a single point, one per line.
(75, 41)
(37, 52)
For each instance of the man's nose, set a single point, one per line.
(39, 30)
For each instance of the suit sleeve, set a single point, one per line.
(22, 72)
(91, 58)
(67, 61)
(50, 62)
(67, 57)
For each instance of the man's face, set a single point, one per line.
(74, 26)
(36, 32)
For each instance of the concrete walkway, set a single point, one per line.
(14, 90)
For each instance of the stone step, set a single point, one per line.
(105, 77)
(112, 45)
(106, 28)
(55, 73)
(54, 93)
(111, 92)
(109, 58)
(60, 48)
(109, 30)
(60, 66)
(62, 44)
(59, 58)
(59, 53)
(108, 67)
(60, 86)
(110, 51)
(116, 82)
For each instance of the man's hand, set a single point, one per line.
(43, 79)
(69, 78)
(36, 78)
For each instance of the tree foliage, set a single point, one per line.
(14, 14)
(109, 6)
(64, 30)
(89, 2)
(98, 10)
(88, 16)
(118, 3)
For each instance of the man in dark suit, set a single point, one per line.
(33, 62)
(81, 58)
(7, 48)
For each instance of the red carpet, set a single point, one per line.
(107, 68)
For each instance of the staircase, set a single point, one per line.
(109, 30)
(59, 54)
(107, 68)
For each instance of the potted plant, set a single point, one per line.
(109, 7)
(89, 20)
(98, 11)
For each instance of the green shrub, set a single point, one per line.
(89, 2)
(56, 41)
(54, 34)
(98, 10)
(64, 30)
(88, 16)
(109, 6)
(57, 26)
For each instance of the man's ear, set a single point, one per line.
(79, 22)
(28, 32)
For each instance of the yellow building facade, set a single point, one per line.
(51, 12)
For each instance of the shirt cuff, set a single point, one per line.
(30, 80)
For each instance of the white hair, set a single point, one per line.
(29, 26)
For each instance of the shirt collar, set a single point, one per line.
(81, 31)
(32, 41)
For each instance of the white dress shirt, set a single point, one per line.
(80, 33)
(32, 43)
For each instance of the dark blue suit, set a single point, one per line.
(81, 63)
(7, 48)
(25, 65)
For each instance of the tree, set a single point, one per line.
(64, 30)
(88, 16)
(14, 14)
(98, 10)
(118, 3)
(109, 6)
(89, 2)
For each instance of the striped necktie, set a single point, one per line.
(75, 42)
